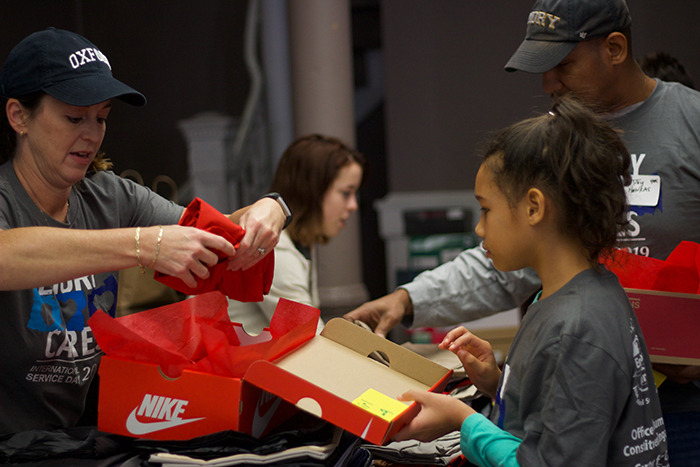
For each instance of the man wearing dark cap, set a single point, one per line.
(584, 47)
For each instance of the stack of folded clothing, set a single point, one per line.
(303, 440)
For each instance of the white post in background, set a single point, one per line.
(209, 137)
(275, 55)
(322, 102)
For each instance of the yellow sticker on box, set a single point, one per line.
(380, 404)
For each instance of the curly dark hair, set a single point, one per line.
(304, 173)
(8, 137)
(666, 67)
(578, 160)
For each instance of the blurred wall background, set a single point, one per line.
(429, 80)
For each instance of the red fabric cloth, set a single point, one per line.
(197, 334)
(245, 286)
(678, 273)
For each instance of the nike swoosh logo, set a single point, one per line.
(138, 428)
(260, 423)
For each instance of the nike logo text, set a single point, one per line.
(162, 408)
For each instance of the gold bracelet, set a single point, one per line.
(138, 250)
(160, 237)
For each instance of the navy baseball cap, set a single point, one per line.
(66, 66)
(555, 27)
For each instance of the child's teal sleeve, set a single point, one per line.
(484, 444)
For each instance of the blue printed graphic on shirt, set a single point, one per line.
(72, 303)
(95, 301)
(38, 320)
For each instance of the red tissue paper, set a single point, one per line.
(197, 334)
(678, 273)
(245, 286)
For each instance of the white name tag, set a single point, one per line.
(644, 190)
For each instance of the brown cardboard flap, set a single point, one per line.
(344, 372)
(402, 360)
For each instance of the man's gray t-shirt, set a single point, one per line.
(663, 138)
(577, 386)
(49, 354)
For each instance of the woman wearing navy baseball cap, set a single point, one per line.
(68, 225)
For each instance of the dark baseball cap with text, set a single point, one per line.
(66, 66)
(555, 27)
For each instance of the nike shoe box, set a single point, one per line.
(336, 375)
(142, 396)
(138, 400)
(665, 296)
(670, 325)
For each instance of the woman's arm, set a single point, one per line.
(38, 256)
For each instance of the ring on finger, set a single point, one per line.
(262, 251)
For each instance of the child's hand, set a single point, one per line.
(439, 414)
(477, 357)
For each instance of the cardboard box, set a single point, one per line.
(332, 377)
(670, 323)
(329, 375)
(136, 399)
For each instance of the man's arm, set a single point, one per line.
(468, 288)
(464, 289)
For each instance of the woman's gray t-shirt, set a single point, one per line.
(49, 355)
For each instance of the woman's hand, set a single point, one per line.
(477, 357)
(263, 222)
(439, 414)
(185, 252)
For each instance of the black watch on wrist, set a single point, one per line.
(285, 209)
